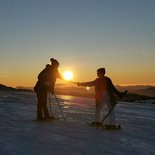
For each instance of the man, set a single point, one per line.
(104, 96)
(46, 82)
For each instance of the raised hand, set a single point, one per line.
(123, 94)
(77, 83)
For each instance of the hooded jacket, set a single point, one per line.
(47, 78)
(103, 85)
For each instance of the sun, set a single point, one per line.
(68, 75)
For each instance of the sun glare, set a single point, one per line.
(87, 88)
(68, 75)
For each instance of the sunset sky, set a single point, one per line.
(83, 35)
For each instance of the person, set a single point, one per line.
(105, 93)
(46, 82)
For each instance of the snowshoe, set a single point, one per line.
(111, 127)
(97, 124)
(55, 118)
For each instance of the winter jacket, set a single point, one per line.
(47, 78)
(103, 85)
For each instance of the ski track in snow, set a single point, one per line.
(21, 134)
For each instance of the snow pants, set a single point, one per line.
(102, 108)
(42, 110)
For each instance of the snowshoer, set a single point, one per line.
(105, 93)
(46, 82)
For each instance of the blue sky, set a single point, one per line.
(82, 34)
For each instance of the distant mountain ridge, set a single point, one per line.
(146, 90)
(8, 88)
(134, 92)
(3, 87)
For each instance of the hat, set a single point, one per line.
(54, 61)
(101, 70)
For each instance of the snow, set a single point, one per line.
(21, 134)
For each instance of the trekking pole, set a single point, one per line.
(111, 109)
(107, 114)
(59, 107)
(49, 99)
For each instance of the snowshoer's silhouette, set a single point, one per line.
(46, 82)
(104, 95)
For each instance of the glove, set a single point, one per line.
(123, 94)
(77, 83)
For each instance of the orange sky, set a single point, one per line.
(123, 76)
(82, 35)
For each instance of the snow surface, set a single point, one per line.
(20, 134)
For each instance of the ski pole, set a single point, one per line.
(112, 109)
(49, 99)
(107, 114)
(59, 107)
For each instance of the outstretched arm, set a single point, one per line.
(91, 83)
(60, 77)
